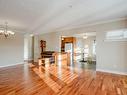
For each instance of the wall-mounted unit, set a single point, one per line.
(116, 35)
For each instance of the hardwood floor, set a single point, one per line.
(28, 79)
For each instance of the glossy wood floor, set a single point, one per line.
(59, 80)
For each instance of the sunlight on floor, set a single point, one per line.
(65, 74)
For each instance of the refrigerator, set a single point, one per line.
(69, 49)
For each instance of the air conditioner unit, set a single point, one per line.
(118, 35)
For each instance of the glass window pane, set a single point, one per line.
(125, 34)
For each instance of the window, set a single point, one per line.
(125, 34)
(86, 51)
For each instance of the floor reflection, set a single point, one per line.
(51, 74)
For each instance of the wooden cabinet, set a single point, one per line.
(67, 40)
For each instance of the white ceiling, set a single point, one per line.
(42, 16)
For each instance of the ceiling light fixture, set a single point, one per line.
(4, 30)
(85, 36)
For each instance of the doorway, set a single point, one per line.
(86, 50)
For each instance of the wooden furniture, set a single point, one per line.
(46, 54)
(56, 58)
(43, 45)
(62, 58)
(50, 55)
(65, 40)
(41, 61)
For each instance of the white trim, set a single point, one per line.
(110, 71)
(12, 65)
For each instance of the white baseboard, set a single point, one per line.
(110, 71)
(12, 64)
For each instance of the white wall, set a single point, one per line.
(110, 56)
(11, 50)
(52, 41)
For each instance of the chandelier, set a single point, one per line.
(4, 30)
